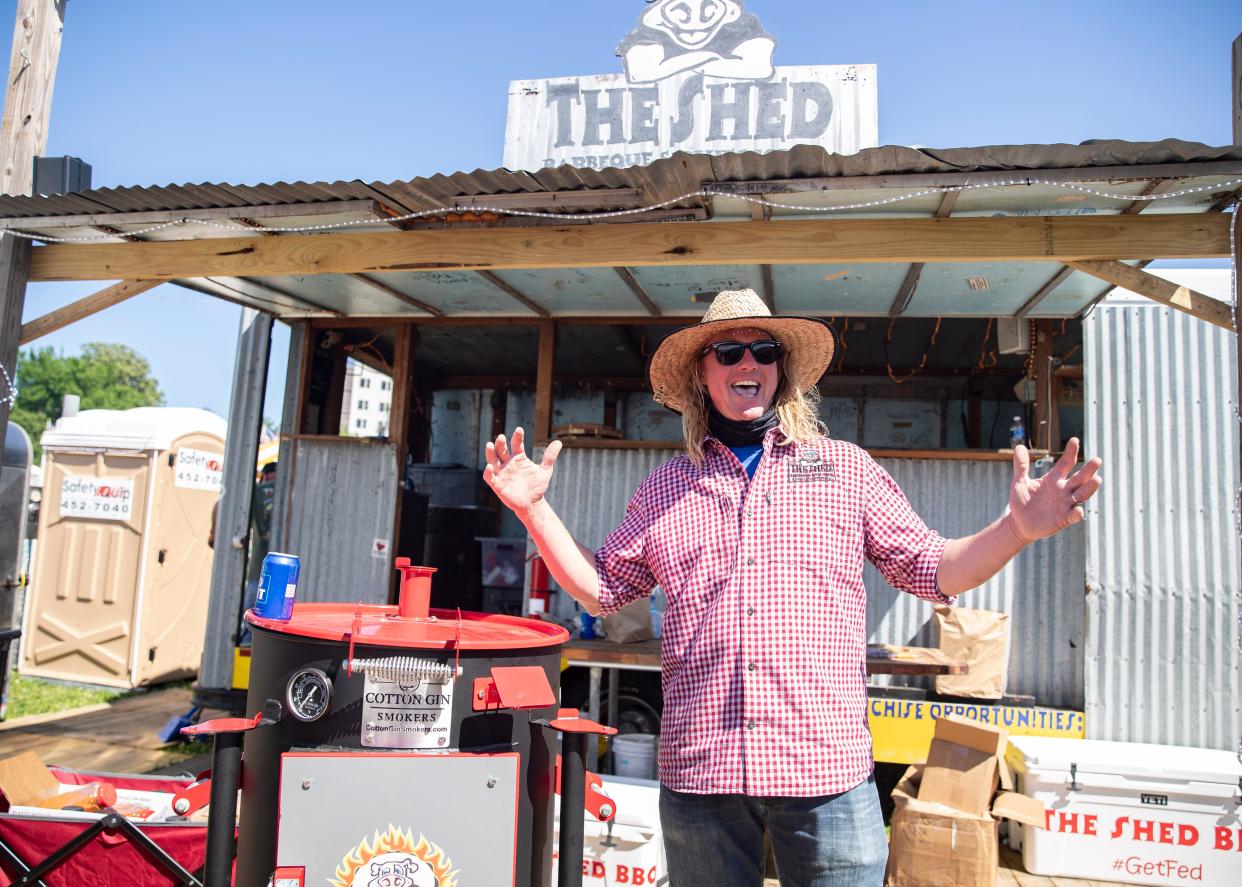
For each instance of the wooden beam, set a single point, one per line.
(627, 276)
(1159, 290)
(768, 284)
(85, 307)
(1042, 293)
(496, 281)
(905, 292)
(296, 303)
(398, 295)
(543, 383)
(727, 243)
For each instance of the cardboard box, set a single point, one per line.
(933, 844)
(977, 637)
(25, 777)
(964, 764)
(945, 812)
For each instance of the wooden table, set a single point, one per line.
(645, 656)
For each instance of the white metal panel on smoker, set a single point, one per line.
(337, 809)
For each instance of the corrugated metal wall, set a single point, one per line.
(1162, 555)
(1042, 590)
(228, 565)
(343, 498)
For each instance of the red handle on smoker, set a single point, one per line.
(415, 596)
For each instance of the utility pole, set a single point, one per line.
(28, 93)
(23, 136)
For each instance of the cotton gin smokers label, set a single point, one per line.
(199, 470)
(97, 498)
(396, 714)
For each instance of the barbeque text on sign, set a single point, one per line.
(96, 498)
(199, 470)
(698, 78)
(397, 714)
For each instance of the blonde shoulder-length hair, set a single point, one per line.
(797, 409)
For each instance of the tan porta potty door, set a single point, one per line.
(123, 528)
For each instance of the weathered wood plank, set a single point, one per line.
(543, 382)
(120, 737)
(28, 99)
(92, 304)
(1159, 290)
(727, 243)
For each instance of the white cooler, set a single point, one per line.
(1129, 812)
(630, 850)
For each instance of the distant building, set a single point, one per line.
(366, 403)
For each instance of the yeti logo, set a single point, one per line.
(714, 37)
(393, 873)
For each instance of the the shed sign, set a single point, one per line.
(699, 78)
(96, 498)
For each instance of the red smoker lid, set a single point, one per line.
(379, 625)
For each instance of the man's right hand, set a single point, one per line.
(519, 482)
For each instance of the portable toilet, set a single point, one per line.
(119, 586)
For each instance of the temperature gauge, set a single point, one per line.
(309, 694)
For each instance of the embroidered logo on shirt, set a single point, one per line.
(809, 466)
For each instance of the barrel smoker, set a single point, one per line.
(398, 746)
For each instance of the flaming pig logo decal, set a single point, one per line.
(395, 859)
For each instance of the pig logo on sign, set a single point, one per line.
(713, 37)
(393, 873)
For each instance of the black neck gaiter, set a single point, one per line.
(740, 434)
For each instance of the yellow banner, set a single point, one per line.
(901, 729)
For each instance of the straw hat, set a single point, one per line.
(808, 344)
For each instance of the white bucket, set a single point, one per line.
(634, 754)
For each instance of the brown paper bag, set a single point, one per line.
(630, 624)
(980, 638)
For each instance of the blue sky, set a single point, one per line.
(151, 92)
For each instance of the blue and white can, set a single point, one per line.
(278, 586)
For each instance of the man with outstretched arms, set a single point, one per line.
(758, 533)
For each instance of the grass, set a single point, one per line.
(31, 696)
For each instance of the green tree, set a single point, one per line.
(105, 376)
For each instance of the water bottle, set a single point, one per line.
(1017, 434)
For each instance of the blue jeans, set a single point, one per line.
(832, 841)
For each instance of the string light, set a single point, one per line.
(9, 395)
(705, 192)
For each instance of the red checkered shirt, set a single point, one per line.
(764, 634)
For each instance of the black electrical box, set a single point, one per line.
(61, 175)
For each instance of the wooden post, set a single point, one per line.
(1045, 408)
(543, 382)
(14, 269)
(28, 99)
(23, 136)
(1237, 239)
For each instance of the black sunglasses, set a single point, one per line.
(765, 351)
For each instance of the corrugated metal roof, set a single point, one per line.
(661, 180)
(802, 182)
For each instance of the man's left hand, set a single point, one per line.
(1040, 507)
